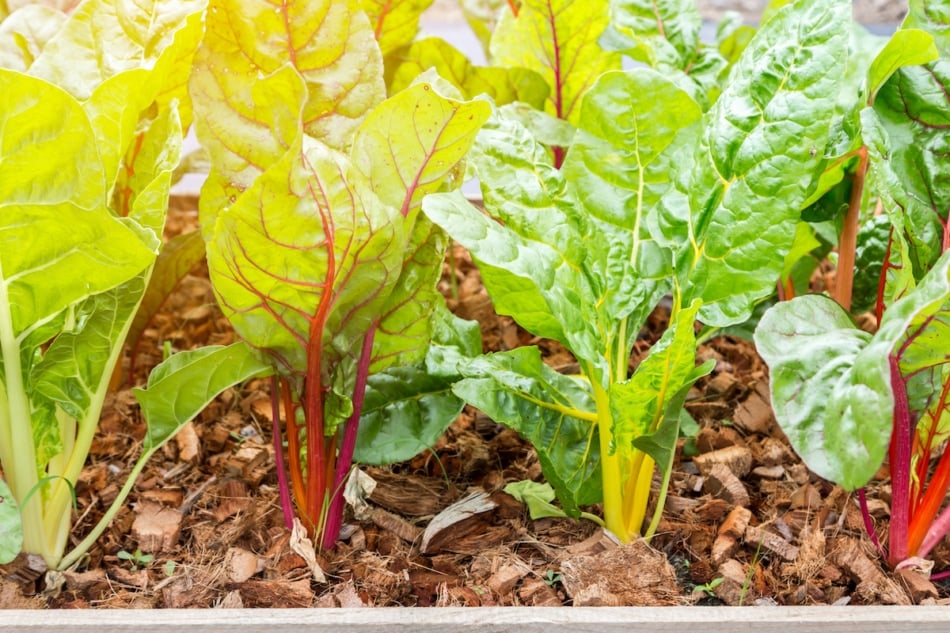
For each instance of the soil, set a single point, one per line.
(745, 522)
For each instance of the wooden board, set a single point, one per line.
(496, 620)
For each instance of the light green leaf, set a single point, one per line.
(835, 412)
(558, 40)
(395, 22)
(24, 33)
(503, 85)
(405, 411)
(933, 17)
(104, 38)
(656, 31)
(907, 47)
(181, 386)
(759, 149)
(517, 389)
(537, 496)
(639, 405)
(321, 263)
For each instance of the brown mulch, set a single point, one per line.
(745, 522)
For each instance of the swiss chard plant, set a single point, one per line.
(849, 399)
(317, 250)
(90, 129)
(652, 196)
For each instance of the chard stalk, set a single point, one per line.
(844, 282)
(900, 450)
(283, 486)
(610, 471)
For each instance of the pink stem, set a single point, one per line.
(869, 522)
(334, 521)
(900, 467)
(282, 485)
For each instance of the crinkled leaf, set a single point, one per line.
(11, 528)
(933, 17)
(24, 33)
(395, 22)
(329, 43)
(907, 47)
(831, 388)
(104, 38)
(759, 149)
(558, 40)
(503, 85)
(454, 341)
(404, 412)
(517, 389)
(181, 386)
(907, 132)
(835, 412)
(628, 119)
(75, 370)
(664, 34)
(869, 257)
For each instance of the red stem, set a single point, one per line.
(849, 235)
(344, 460)
(282, 484)
(513, 6)
(869, 522)
(882, 280)
(899, 454)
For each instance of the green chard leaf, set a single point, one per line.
(907, 47)
(933, 17)
(554, 412)
(907, 140)
(831, 388)
(395, 22)
(664, 34)
(184, 384)
(558, 40)
(759, 148)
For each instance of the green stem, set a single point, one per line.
(79, 551)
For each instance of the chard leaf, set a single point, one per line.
(907, 47)
(517, 389)
(11, 528)
(831, 388)
(639, 405)
(329, 43)
(835, 411)
(24, 33)
(933, 17)
(907, 131)
(181, 386)
(503, 85)
(482, 16)
(401, 168)
(405, 411)
(558, 40)
(628, 120)
(58, 241)
(104, 38)
(395, 22)
(759, 147)
(664, 34)
(323, 259)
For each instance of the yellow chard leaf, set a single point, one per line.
(24, 33)
(558, 39)
(395, 22)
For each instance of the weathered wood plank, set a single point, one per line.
(496, 620)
